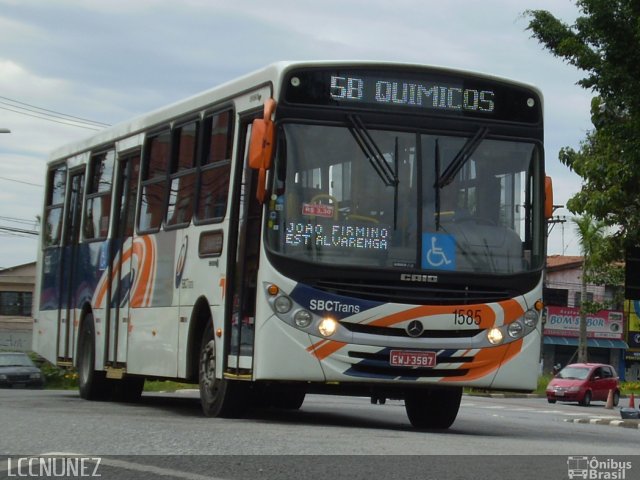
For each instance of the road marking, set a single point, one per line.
(111, 462)
(532, 410)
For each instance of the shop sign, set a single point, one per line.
(565, 322)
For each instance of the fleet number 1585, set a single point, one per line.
(467, 317)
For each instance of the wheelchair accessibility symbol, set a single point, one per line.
(438, 251)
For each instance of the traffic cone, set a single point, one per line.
(609, 404)
(632, 401)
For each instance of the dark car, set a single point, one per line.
(584, 382)
(17, 370)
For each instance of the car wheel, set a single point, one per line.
(586, 400)
(616, 398)
(551, 400)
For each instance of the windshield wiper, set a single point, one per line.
(371, 150)
(375, 156)
(461, 158)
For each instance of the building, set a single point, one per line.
(16, 298)
(562, 297)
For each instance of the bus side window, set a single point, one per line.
(154, 184)
(56, 186)
(183, 174)
(215, 167)
(98, 202)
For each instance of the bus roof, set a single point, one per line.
(270, 74)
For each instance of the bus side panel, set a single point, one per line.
(197, 278)
(90, 266)
(153, 341)
(153, 314)
(45, 332)
(283, 353)
(517, 373)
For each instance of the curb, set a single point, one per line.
(634, 424)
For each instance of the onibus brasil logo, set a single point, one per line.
(593, 468)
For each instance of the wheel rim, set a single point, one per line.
(208, 367)
(85, 360)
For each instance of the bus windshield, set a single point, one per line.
(390, 199)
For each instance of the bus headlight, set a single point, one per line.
(531, 318)
(495, 336)
(515, 329)
(303, 318)
(282, 304)
(327, 327)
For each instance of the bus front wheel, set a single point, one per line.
(433, 408)
(219, 397)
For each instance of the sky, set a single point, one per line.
(108, 61)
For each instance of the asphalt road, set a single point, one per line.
(165, 435)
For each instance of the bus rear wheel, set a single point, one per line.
(433, 408)
(93, 384)
(219, 397)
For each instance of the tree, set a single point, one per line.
(591, 236)
(604, 42)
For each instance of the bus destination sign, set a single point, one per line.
(421, 91)
(389, 91)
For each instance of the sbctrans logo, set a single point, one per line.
(54, 466)
(593, 468)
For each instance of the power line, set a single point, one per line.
(53, 112)
(95, 128)
(22, 231)
(21, 181)
(22, 221)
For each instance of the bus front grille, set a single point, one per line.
(401, 332)
(377, 365)
(401, 292)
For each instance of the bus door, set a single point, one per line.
(70, 277)
(121, 256)
(242, 266)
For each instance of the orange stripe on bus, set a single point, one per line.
(512, 310)
(104, 282)
(487, 361)
(327, 349)
(143, 249)
(316, 345)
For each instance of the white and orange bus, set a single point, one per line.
(358, 228)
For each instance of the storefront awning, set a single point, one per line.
(591, 342)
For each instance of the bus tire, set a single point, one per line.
(128, 389)
(93, 384)
(288, 397)
(219, 397)
(435, 408)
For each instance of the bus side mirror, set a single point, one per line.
(261, 146)
(548, 198)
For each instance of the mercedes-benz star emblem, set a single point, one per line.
(415, 328)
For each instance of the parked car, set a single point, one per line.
(17, 370)
(584, 382)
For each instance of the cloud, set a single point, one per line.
(112, 60)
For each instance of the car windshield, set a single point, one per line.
(574, 373)
(350, 195)
(15, 360)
